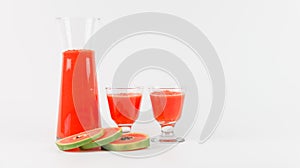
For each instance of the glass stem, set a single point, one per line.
(167, 131)
(126, 129)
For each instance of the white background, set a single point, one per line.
(256, 40)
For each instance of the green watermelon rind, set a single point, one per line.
(104, 141)
(129, 146)
(73, 145)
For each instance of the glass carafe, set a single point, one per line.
(78, 104)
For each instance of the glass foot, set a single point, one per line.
(169, 139)
(126, 128)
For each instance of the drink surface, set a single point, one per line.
(167, 106)
(124, 107)
(78, 106)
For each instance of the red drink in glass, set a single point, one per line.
(124, 106)
(167, 106)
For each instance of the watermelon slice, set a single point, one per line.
(77, 140)
(129, 141)
(110, 135)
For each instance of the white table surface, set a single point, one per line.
(215, 153)
(23, 147)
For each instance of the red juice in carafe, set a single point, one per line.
(78, 106)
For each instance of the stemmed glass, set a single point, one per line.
(167, 104)
(124, 105)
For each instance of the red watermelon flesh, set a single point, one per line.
(129, 141)
(129, 138)
(110, 135)
(77, 140)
